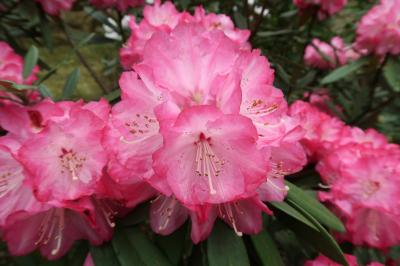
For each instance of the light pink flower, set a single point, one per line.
(325, 56)
(55, 7)
(66, 159)
(379, 30)
(362, 181)
(12, 65)
(159, 17)
(325, 8)
(121, 5)
(321, 260)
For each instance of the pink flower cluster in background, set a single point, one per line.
(321, 260)
(360, 168)
(200, 128)
(379, 30)
(324, 8)
(12, 65)
(325, 56)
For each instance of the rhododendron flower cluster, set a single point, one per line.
(121, 5)
(379, 31)
(325, 8)
(55, 7)
(200, 128)
(164, 17)
(360, 168)
(325, 56)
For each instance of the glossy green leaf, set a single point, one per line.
(391, 72)
(289, 210)
(321, 239)
(313, 207)
(30, 61)
(124, 250)
(71, 83)
(112, 96)
(44, 91)
(104, 255)
(225, 248)
(344, 71)
(266, 249)
(148, 252)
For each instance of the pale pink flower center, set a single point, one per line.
(52, 228)
(258, 107)
(71, 162)
(207, 163)
(8, 181)
(140, 128)
(370, 187)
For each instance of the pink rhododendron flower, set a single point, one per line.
(325, 56)
(164, 17)
(362, 181)
(121, 5)
(325, 8)
(55, 7)
(12, 64)
(379, 31)
(66, 159)
(321, 260)
(199, 156)
(323, 131)
(54, 230)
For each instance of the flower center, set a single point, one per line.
(370, 187)
(140, 128)
(71, 162)
(226, 212)
(207, 163)
(258, 107)
(165, 210)
(9, 180)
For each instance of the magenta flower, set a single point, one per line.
(379, 30)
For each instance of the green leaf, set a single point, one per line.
(71, 83)
(174, 244)
(44, 91)
(46, 30)
(321, 239)
(391, 71)
(104, 255)
(266, 249)
(313, 207)
(224, 248)
(124, 250)
(344, 71)
(31, 59)
(115, 94)
(289, 210)
(148, 252)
